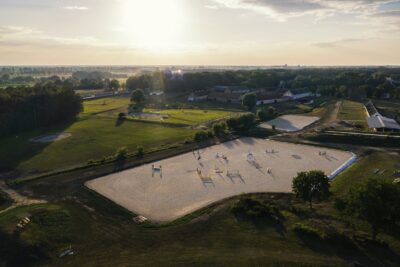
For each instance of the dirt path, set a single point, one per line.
(18, 199)
(333, 116)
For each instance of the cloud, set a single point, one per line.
(26, 36)
(337, 43)
(284, 9)
(387, 14)
(80, 8)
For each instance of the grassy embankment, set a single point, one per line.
(102, 234)
(353, 113)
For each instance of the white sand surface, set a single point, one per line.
(180, 189)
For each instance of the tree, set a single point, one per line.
(241, 123)
(140, 152)
(114, 85)
(138, 96)
(312, 185)
(121, 154)
(249, 100)
(201, 136)
(266, 114)
(219, 129)
(262, 115)
(377, 202)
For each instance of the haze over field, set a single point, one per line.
(211, 32)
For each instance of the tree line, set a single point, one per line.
(24, 108)
(349, 82)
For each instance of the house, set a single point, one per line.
(198, 96)
(270, 98)
(264, 98)
(295, 95)
(228, 94)
(156, 93)
(230, 89)
(234, 97)
(379, 122)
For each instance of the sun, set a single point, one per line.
(152, 24)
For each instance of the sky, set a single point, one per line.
(200, 32)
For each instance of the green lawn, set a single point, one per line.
(104, 104)
(365, 168)
(92, 138)
(352, 111)
(190, 116)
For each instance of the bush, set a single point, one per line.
(121, 154)
(219, 129)
(241, 123)
(307, 230)
(201, 136)
(254, 209)
(339, 204)
(140, 152)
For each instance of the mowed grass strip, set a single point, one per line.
(352, 111)
(92, 138)
(190, 116)
(104, 104)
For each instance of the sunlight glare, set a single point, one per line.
(152, 24)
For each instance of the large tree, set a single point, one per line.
(311, 185)
(249, 100)
(138, 96)
(377, 202)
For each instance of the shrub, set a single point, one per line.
(140, 152)
(307, 230)
(200, 136)
(254, 209)
(121, 154)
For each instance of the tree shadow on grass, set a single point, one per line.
(119, 121)
(262, 215)
(18, 148)
(366, 253)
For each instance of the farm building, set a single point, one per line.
(198, 96)
(379, 122)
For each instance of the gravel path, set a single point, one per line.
(18, 199)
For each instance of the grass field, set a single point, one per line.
(352, 111)
(190, 116)
(98, 133)
(92, 138)
(366, 168)
(105, 104)
(103, 235)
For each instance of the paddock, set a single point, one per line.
(168, 189)
(290, 123)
